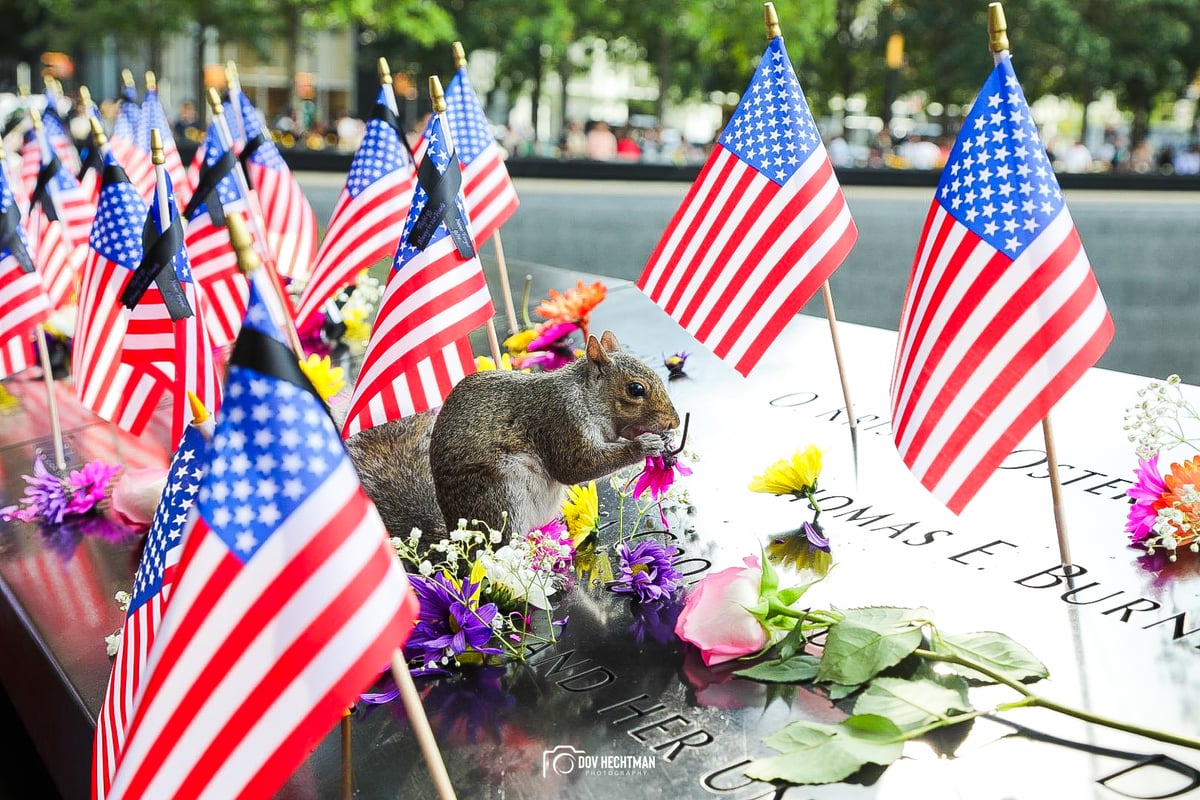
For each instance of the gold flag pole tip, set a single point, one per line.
(199, 412)
(156, 147)
(771, 18)
(385, 74)
(214, 101)
(460, 55)
(435, 92)
(997, 28)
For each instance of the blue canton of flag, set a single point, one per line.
(269, 428)
(117, 233)
(183, 480)
(183, 268)
(153, 116)
(227, 189)
(381, 151)
(267, 153)
(258, 316)
(772, 129)
(437, 154)
(999, 182)
(7, 199)
(129, 117)
(472, 131)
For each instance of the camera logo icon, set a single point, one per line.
(562, 760)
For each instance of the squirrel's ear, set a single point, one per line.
(596, 352)
(609, 340)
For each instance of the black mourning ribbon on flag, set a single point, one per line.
(251, 147)
(41, 190)
(206, 188)
(94, 160)
(10, 240)
(158, 251)
(440, 207)
(256, 350)
(386, 114)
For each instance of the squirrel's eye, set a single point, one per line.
(635, 389)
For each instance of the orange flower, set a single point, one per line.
(574, 306)
(1180, 504)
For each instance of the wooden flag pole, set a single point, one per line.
(439, 108)
(56, 435)
(771, 20)
(43, 345)
(347, 756)
(998, 43)
(460, 61)
(421, 727)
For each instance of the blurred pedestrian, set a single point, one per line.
(601, 142)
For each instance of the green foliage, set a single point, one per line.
(817, 752)
(868, 641)
(874, 655)
(997, 652)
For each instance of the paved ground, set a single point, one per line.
(1144, 248)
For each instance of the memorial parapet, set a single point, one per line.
(619, 706)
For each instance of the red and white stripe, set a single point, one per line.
(137, 164)
(222, 284)
(988, 346)
(488, 193)
(362, 231)
(251, 660)
(432, 303)
(53, 255)
(291, 223)
(23, 305)
(743, 254)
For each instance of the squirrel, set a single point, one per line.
(505, 445)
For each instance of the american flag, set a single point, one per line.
(74, 207)
(370, 213)
(178, 349)
(154, 117)
(151, 588)
(108, 384)
(59, 211)
(214, 263)
(23, 300)
(56, 132)
(287, 598)
(1002, 313)
(435, 296)
(764, 225)
(124, 143)
(290, 221)
(487, 190)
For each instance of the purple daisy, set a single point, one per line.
(646, 571)
(450, 623)
(1150, 487)
(45, 498)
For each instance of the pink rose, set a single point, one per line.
(715, 618)
(136, 494)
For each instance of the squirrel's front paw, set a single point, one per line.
(651, 444)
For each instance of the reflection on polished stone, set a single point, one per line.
(619, 707)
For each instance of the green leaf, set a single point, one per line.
(791, 670)
(995, 651)
(817, 752)
(869, 640)
(839, 690)
(912, 704)
(791, 643)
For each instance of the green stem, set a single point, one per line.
(819, 618)
(812, 503)
(525, 302)
(1033, 699)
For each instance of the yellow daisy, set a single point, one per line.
(486, 362)
(581, 512)
(518, 343)
(796, 475)
(327, 379)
